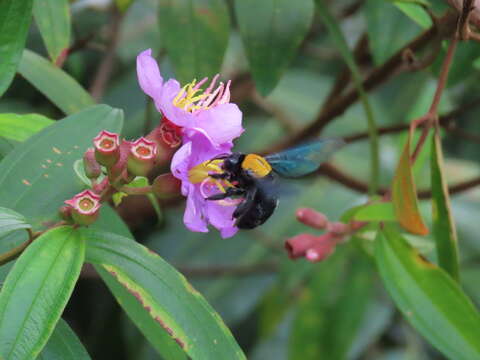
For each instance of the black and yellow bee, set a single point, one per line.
(253, 177)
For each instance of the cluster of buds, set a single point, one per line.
(120, 162)
(317, 248)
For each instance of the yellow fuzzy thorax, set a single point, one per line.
(257, 165)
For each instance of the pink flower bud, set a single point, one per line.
(312, 218)
(92, 168)
(142, 156)
(84, 207)
(313, 248)
(65, 212)
(170, 133)
(166, 186)
(298, 245)
(323, 248)
(107, 149)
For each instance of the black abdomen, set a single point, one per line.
(255, 212)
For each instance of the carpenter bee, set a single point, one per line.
(253, 177)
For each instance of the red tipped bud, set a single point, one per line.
(84, 207)
(298, 245)
(313, 248)
(92, 168)
(166, 186)
(107, 148)
(170, 133)
(312, 218)
(141, 157)
(65, 212)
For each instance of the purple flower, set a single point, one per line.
(189, 110)
(192, 164)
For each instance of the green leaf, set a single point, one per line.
(428, 298)
(63, 345)
(21, 127)
(53, 21)
(15, 17)
(443, 227)
(160, 339)
(379, 211)
(66, 93)
(123, 5)
(341, 43)
(404, 195)
(332, 308)
(388, 29)
(37, 176)
(165, 296)
(416, 12)
(11, 221)
(195, 34)
(37, 290)
(272, 31)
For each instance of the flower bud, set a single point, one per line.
(84, 207)
(166, 186)
(141, 157)
(65, 212)
(313, 248)
(107, 149)
(312, 218)
(92, 168)
(298, 245)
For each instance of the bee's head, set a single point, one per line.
(233, 162)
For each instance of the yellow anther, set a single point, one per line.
(186, 98)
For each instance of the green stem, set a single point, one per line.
(12, 254)
(342, 45)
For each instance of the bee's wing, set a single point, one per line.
(304, 159)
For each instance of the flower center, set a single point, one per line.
(202, 171)
(193, 99)
(200, 174)
(86, 204)
(107, 143)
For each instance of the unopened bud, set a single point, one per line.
(65, 212)
(313, 248)
(298, 245)
(141, 157)
(166, 186)
(107, 148)
(92, 168)
(312, 218)
(84, 207)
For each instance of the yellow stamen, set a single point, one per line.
(202, 171)
(186, 98)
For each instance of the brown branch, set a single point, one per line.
(360, 186)
(444, 120)
(375, 78)
(102, 76)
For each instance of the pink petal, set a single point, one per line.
(148, 75)
(221, 218)
(222, 123)
(194, 218)
(181, 161)
(173, 113)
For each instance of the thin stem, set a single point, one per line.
(12, 254)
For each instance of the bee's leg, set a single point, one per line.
(245, 205)
(231, 191)
(221, 176)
